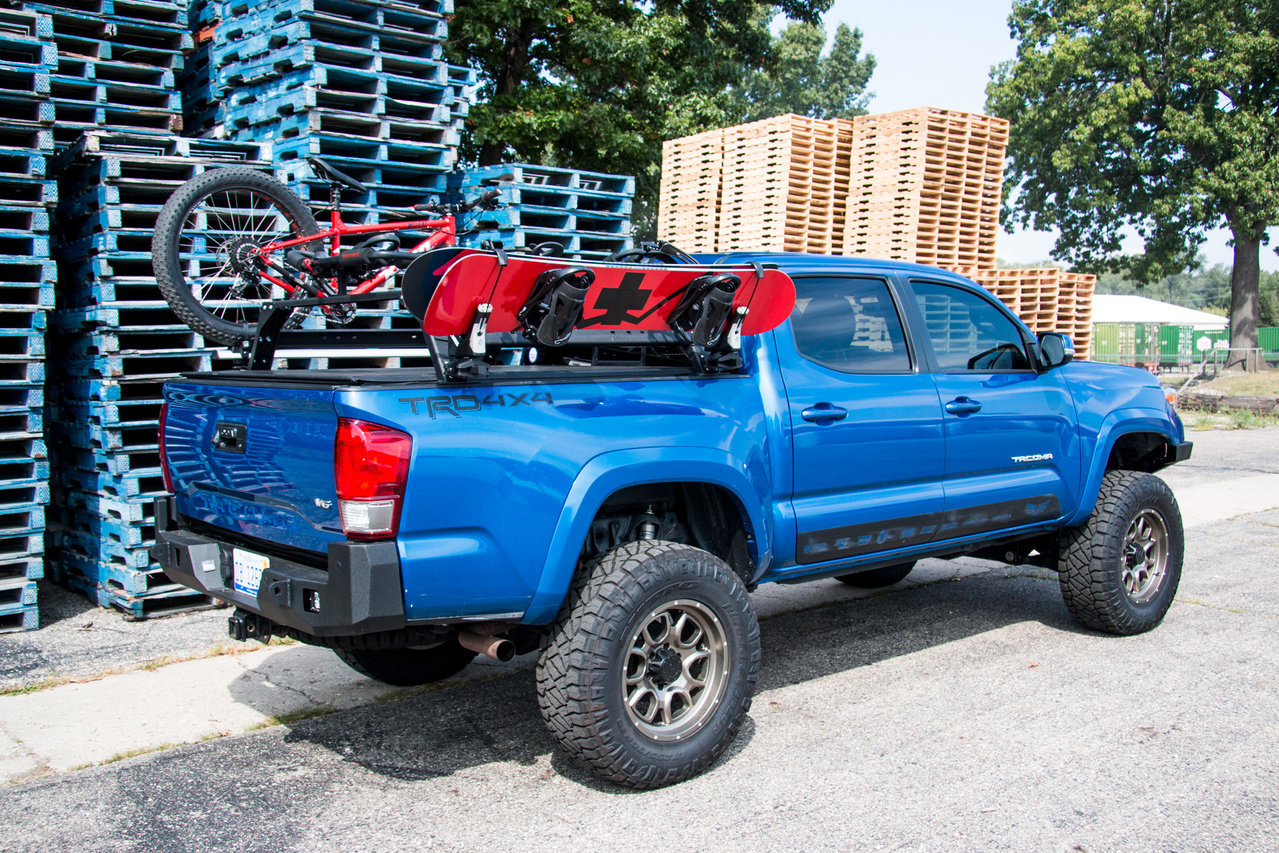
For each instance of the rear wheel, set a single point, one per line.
(651, 664)
(875, 578)
(1119, 571)
(204, 248)
(408, 667)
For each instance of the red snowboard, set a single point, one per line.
(623, 297)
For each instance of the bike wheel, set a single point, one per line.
(202, 249)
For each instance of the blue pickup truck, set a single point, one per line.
(612, 507)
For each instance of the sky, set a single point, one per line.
(938, 53)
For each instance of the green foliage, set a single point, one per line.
(1158, 115)
(799, 79)
(599, 85)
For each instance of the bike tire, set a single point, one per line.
(202, 233)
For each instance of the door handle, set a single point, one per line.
(824, 412)
(963, 406)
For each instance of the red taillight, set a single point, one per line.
(370, 466)
(164, 459)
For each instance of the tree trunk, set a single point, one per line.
(1245, 280)
(515, 60)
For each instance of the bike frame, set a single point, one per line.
(445, 234)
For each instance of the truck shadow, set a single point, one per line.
(462, 725)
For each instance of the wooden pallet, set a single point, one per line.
(688, 204)
(1046, 299)
(925, 186)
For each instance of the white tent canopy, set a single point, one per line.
(1110, 308)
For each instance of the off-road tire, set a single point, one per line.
(876, 578)
(1119, 570)
(169, 228)
(408, 667)
(606, 646)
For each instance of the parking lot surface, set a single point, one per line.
(959, 710)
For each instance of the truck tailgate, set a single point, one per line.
(256, 461)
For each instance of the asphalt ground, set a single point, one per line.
(959, 710)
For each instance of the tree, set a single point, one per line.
(799, 79)
(598, 85)
(1157, 115)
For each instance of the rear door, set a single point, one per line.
(866, 423)
(1012, 449)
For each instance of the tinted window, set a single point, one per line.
(849, 324)
(969, 332)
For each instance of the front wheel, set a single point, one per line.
(204, 250)
(650, 667)
(1119, 570)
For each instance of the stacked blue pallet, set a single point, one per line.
(117, 341)
(588, 213)
(359, 82)
(28, 59)
(116, 67)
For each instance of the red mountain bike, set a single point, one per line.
(233, 239)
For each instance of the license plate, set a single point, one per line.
(246, 569)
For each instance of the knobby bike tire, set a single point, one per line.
(203, 232)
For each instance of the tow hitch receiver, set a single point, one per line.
(243, 625)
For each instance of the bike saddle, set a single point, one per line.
(326, 172)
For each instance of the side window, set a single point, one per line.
(849, 324)
(967, 331)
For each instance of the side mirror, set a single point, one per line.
(1055, 349)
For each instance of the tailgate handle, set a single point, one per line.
(229, 437)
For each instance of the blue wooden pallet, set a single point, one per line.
(143, 342)
(19, 162)
(163, 12)
(535, 217)
(131, 147)
(393, 17)
(20, 619)
(123, 96)
(72, 118)
(21, 497)
(281, 130)
(21, 424)
(16, 593)
(150, 365)
(574, 244)
(130, 413)
(316, 87)
(28, 191)
(125, 78)
(551, 176)
(135, 484)
(89, 527)
(152, 314)
(162, 601)
(17, 218)
(20, 371)
(25, 135)
(22, 566)
(381, 161)
(30, 81)
(116, 463)
(247, 38)
(23, 448)
(24, 29)
(27, 343)
(24, 471)
(110, 390)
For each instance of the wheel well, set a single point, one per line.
(700, 514)
(1139, 451)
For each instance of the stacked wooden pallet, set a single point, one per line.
(1047, 299)
(925, 187)
(689, 199)
(769, 185)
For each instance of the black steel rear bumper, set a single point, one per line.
(359, 591)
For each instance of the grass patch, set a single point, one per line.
(1263, 383)
(292, 717)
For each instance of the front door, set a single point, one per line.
(866, 424)
(1012, 450)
